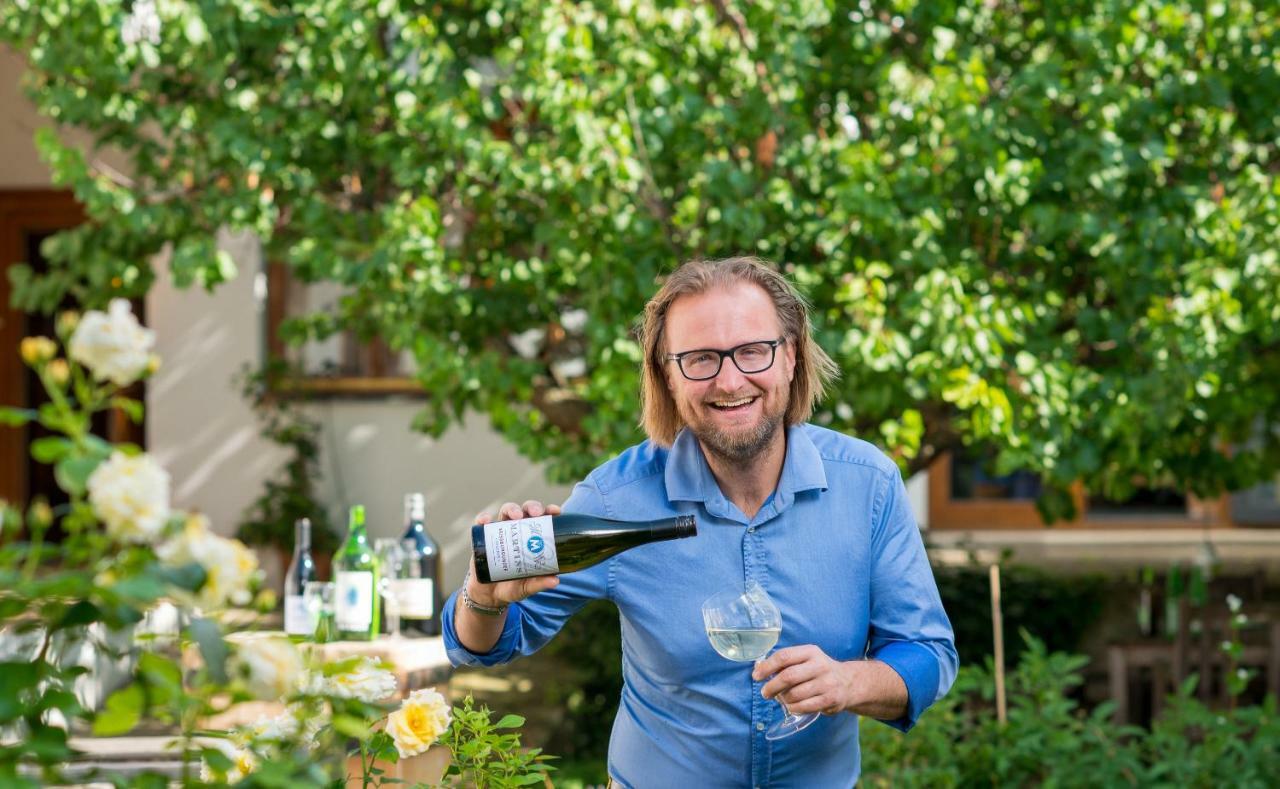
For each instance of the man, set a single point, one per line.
(819, 519)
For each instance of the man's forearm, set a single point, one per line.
(477, 632)
(876, 690)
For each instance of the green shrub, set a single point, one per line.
(1050, 741)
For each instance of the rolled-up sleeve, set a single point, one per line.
(909, 630)
(532, 622)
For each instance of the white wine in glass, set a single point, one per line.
(744, 626)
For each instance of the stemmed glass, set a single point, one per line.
(744, 626)
(317, 596)
(394, 564)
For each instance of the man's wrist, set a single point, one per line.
(477, 600)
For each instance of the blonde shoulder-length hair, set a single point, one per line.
(814, 369)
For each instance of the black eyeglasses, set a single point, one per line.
(703, 364)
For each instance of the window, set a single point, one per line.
(339, 364)
(965, 493)
(27, 218)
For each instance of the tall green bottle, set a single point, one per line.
(355, 575)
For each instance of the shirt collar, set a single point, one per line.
(689, 478)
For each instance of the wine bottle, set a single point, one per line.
(553, 544)
(297, 620)
(355, 575)
(420, 599)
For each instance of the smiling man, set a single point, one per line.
(818, 520)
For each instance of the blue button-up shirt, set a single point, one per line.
(837, 549)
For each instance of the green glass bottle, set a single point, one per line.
(355, 575)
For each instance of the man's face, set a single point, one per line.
(734, 415)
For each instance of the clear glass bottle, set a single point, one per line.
(302, 568)
(355, 575)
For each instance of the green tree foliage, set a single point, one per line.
(1050, 227)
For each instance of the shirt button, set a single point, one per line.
(759, 727)
(751, 529)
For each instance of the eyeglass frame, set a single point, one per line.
(678, 358)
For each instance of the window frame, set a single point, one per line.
(278, 283)
(22, 212)
(948, 514)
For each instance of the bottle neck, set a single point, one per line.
(302, 538)
(674, 528)
(357, 535)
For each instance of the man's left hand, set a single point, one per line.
(809, 681)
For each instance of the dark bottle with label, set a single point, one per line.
(553, 544)
(420, 599)
(297, 619)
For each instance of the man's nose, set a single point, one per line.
(730, 378)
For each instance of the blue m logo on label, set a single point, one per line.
(535, 544)
(352, 595)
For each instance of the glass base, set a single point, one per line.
(789, 725)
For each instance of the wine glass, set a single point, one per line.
(744, 626)
(318, 598)
(394, 565)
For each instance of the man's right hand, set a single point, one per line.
(503, 592)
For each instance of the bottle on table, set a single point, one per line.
(420, 601)
(552, 544)
(355, 575)
(298, 621)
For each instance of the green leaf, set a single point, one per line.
(15, 680)
(16, 417)
(509, 722)
(351, 726)
(72, 474)
(50, 449)
(131, 408)
(98, 447)
(212, 647)
(82, 612)
(122, 712)
(48, 743)
(190, 576)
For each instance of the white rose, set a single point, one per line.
(112, 344)
(420, 721)
(367, 681)
(271, 665)
(243, 762)
(284, 726)
(131, 496)
(228, 564)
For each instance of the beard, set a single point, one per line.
(738, 447)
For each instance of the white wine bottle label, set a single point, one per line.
(415, 596)
(297, 619)
(353, 603)
(519, 549)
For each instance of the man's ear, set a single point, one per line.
(789, 354)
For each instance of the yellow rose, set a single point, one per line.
(59, 371)
(67, 322)
(37, 350)
(420, 721)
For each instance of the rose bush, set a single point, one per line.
(124, 552)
